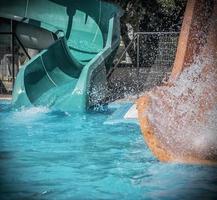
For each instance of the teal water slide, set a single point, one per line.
(77, 41)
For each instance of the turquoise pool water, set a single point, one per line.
(55, 155)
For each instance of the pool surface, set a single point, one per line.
(55, 155)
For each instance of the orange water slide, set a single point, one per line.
(179, 119)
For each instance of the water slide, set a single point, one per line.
(76, 41)
(179, 118)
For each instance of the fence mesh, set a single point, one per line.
(5, 64)
(146, 63)
(8, 70)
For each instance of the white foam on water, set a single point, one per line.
(29, 114)
(132, 113)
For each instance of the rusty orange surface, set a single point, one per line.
(178, 119)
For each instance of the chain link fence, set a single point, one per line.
(146, 62)
(12, 56)
(6, 70)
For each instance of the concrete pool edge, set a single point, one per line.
(5, 97)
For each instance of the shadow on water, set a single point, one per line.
(5, 155)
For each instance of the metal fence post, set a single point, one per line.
(13, 52)
(137, 64)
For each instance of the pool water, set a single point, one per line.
(51, 155)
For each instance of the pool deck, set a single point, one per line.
(5, 97)
(131, 99)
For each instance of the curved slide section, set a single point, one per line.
(77, 41)
(179, 119)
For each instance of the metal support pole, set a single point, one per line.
(20, 43)
(138, 64)
(13, 52)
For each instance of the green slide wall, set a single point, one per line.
(63, 75)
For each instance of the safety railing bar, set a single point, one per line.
(126, 49)
(20, 43)
(138, 63)
(120, 58)
(24, 49)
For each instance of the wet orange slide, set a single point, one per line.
(179, 119)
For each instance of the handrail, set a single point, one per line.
(120, 58)
(24, 49)
(20, 43)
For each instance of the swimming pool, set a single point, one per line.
(55, 155)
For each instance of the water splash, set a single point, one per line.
(184, 114)
(30, 114)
